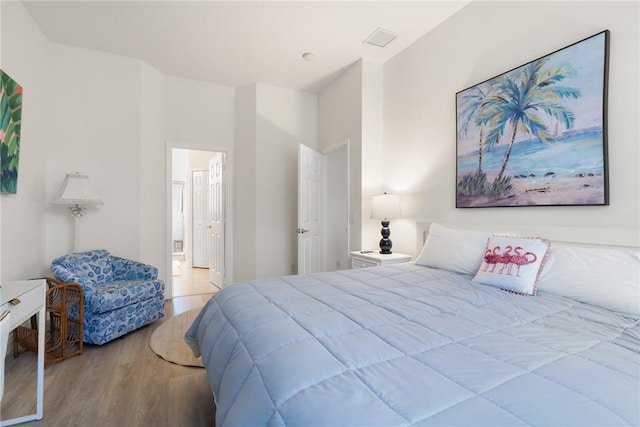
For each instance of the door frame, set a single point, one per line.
(228, 208)
(341, 144)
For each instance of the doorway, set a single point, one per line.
(192, 204)
(323, 208)
(336, 200)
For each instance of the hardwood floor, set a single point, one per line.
(192, 281)
(121, 383)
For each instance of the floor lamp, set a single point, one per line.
(77, 193)
(385, 206)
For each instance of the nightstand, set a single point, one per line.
(372, 259)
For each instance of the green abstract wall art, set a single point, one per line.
(10, 123)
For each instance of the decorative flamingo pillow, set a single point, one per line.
(513, 264)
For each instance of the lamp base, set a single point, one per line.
(385, 250)
(385, 242)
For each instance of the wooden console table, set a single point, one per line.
(24, 299)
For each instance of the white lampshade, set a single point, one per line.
(385, 206)
(76, 190)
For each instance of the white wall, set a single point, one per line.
(199, 160)
(94, 118)
(419, 114)
(23, 214)
(374, 169)
(285, 118)
(352, 107)
(199, 115)
(244, 176)
(81, 112)
(107, 116)
(154, 196)
(111, 117)
(270, 123)
(339, 119)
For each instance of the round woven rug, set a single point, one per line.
(167, 341)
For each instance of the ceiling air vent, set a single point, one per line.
(381, 37)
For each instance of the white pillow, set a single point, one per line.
(513, 264)
(606, 277)
(460, 251)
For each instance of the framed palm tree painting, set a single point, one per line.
(537, 135)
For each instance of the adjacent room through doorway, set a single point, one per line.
(197, 221)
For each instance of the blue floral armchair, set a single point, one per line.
(120, 295)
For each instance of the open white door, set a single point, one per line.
(216, 220)
(310, 181)
(199, 197)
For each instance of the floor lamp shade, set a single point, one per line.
(385, 206)
(76, 190)
(77, 193)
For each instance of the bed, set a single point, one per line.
(426, 343)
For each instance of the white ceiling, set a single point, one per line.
(235, 43)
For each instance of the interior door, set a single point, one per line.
(199, 193)
(216, 220)
(310, 180)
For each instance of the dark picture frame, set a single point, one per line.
(536, 135)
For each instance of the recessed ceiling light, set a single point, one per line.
(381, 37)
(308, 56)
